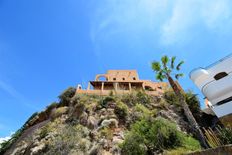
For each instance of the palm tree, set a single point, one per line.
(166, 69)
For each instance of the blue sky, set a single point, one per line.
(48, 45)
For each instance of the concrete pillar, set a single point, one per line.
(115, 86)
(143, 87)
(130, 86)
(88, 86)
(102, 87)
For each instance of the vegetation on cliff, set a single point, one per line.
(133, 123)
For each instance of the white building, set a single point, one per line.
(215, 82)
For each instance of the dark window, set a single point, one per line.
(224, 101)
(114, 79)
(123, 79)
(160, 87)
(148, 88)
(220, 75)
(134, 78)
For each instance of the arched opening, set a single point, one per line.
(101, 78)
(220, 75)
(79, 87)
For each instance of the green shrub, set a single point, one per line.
(68, 139)
(103, 102)
(142, 111)
(44, 131)
(78, 106)
(58, 112)
(193, 102)
(156, 135)
(170, 97)
(52, 106)
(143, 98)
(107, 133)
(191, 144)
(121, 110)
(66, 96)
(129, 99)
(159, 134)
(136, 97)
(190, 98)
(133, 145)
(225, 135)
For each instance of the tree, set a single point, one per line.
(166, 69)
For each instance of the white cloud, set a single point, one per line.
(131, 17)
(2, 139)
(170, 22)
(178, 24)
(188, 16)
(15, 94)
(217, 15)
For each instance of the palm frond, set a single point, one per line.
(179, 65)
(172, 62)
(160, 76)
(165, 60)
(177, 76)
(156, 66)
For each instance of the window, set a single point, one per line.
(149, 88)
(160, 87)
(123, 79)
(220, 75)
(134, 78)
(229, 99)
(114, 79)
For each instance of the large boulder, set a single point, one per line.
(84, 119)
(92, 122)
(111, 123)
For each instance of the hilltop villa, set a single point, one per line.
(120, 82)
(215, 82)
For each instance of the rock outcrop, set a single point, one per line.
(90, 125)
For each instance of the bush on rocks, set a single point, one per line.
(58, 112)
(121, 110)
(152, 136)
(66, 96)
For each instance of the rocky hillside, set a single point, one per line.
(124, 124)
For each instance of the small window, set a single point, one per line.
(114, 79)
(160, 87)
(220, 75)
(134, 78)
(123, 79)
(229, 99)
(148, 88)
